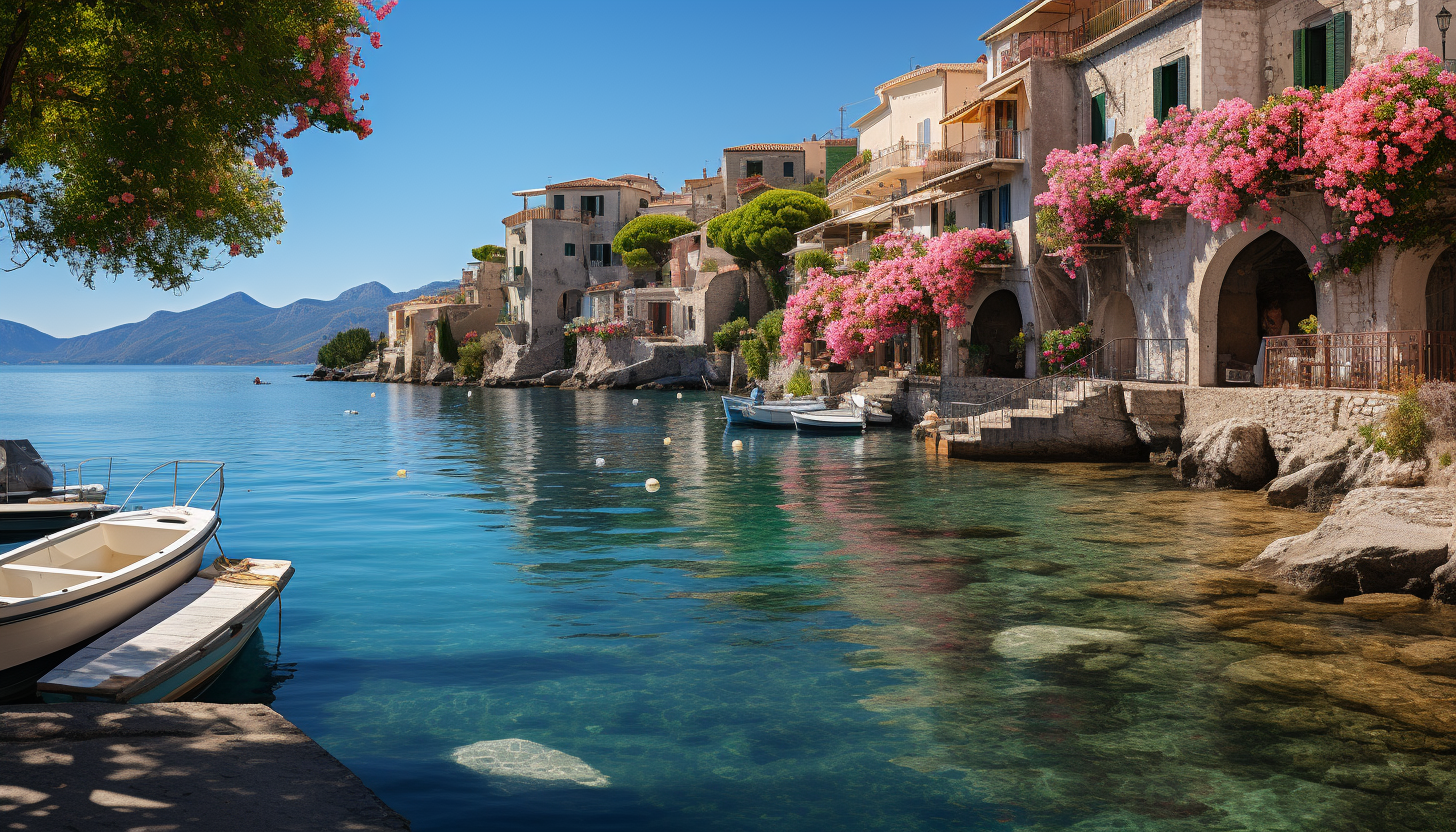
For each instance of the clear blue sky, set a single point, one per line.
(472, 100)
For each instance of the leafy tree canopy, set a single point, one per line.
(652, 235)
(348, 347)
(487, 253)
(763, 230)
(135, 135)
(817, 187)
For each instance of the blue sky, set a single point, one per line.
(472, 100)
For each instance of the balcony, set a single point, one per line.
(997, 146)
(1087, 25)
(565, 214)
(513, 276)
(859, 173)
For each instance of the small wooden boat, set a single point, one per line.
(874, 417)
(747, 412)
(830, 421)
(175, 648)
(62, 591)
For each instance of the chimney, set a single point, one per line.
(705, 173)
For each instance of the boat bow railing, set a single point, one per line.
(176, 466)
(79, 470)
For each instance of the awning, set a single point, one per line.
(965, 113)
(932, 195)
(872, 213)
(1025, 13)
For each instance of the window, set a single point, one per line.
(1003, 222)
(594, 205)
(788, 170)
(642, 203)
(1322, 53)
(558, 202)
(984, 221)
(571, 249)
(753, 168)
(1170, 87)
(601, 254)
(1099, 118)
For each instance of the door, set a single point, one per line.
(660, 316)
(1005, 126)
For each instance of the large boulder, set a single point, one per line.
(1309, 486)
(556, 378)
(1334, 447)
(1369, 468)
(1377, 540)
(1234, 453)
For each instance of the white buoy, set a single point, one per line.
(634, 402)
(601, 462)
(653, 484)
(738, 444)
(371, 395)
(400, 473)
(679, 395)
(469, 393)
(667, 440)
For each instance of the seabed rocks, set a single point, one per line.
(521, 762)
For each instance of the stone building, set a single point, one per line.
(763, 166)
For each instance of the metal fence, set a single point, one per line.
(998, 144)
(1359, 360)
(899, 155)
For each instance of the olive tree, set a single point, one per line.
(646, 242)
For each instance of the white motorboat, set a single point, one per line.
(770, 414)
(872, 413)
(32, 504)
(61, 591)
(842, 420)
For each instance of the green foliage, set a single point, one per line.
(1402, 433)
(770, 328)
(348, 347)
(449, 349)
(730, 333)
(569, 351)
(1309, 326)
(817, 187)
(489, 253)
(1444, 460)
(708, 265)
(471, 362)
(799, 383)
(1067, 347)
(763, 230)
(132, 134)
(977, 349)
(806, 260)
(927, 368)
(648, 239)
(755, 357)
(859, 266)
(867, 157)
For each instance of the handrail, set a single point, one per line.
(176, 469)
(80, 473)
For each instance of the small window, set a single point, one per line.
(754, 168)
(558, 201)
(1322, 53)
(1170, 87)
(571, 249)
(788, 170)
(984, 219)
(601, 254)
(593, 205)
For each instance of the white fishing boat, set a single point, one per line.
(772, 414)
(872, 414)
(842, 420)
(61, 591)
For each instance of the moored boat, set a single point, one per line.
(873, 416)
(32, 505)
(830, 421)
(777, 414)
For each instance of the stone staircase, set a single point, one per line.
(887, 392)
(1078, 421)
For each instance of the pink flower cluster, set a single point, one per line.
(910, 279)
(1377, 148)
(605, 330)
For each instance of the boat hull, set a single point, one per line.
(54, 624)
(828, 421)
(27, 521)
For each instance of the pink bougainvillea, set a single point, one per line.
(909, 280)
(1378, 148)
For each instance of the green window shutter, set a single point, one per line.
(1158, 109)
(1337, 50)
(1099, 118)
(1183, 82)
(1299, 79)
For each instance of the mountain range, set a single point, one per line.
(233, 330)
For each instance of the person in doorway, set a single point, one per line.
(1271, 325)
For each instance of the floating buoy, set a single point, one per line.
(371, 395)
(653, 484)
(679, 395)
(351, 413)
(601, 462)
(667, 440)
(634, 402)
(400, 473)
(738, 444)
(469, 393)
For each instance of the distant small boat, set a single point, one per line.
(779, 414)
(830, 421)
(30, 503)
(873, 415)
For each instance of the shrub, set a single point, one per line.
(763, 230)
(449, 350)
(646, 242)
(799, 383)
(1438, 399)
(1444, 460)
(819, 259)
(1402, 433)
(728, 335)
(1062, 349)
(770, 328)
(817, 187)
(345, 348)
(755, 357)
(471, 362)
(1309, 326)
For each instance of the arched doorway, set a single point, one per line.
(1267, 291)
(1441, 293)
(1118, 323)
(996, 323)
(569, 307)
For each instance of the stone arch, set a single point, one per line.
(997, 320)
(1121, 140)
(1209, 277)
(1266, 290)
(1116, 318)
(569, 305)
(1440, 293)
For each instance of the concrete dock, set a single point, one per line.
(175, 766)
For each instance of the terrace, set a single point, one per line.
(873, 179)
(1055, 28)
(565, 214)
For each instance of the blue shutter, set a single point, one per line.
(1004, 197)
(1099, 118)
(1158, 109)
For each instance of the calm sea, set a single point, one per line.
(799, 635)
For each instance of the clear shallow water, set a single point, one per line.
(798, 636)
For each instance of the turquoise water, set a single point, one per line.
(800, 635)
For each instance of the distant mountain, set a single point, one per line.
(233, 330)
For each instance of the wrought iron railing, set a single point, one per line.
(900, 155)
(998, 144)
(1160, 360)
(1359, 360)
(513, 275)
(1099, 20)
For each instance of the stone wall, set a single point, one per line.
(937, 393)
(1288, 416)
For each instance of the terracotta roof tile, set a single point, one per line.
(763, 148)
(602, 287)
(749, 184)
(589, 182)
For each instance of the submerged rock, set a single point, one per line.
(1389, 691)
(1035, 642)
(1234, 453)
(1377, 540)
(523, 760)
